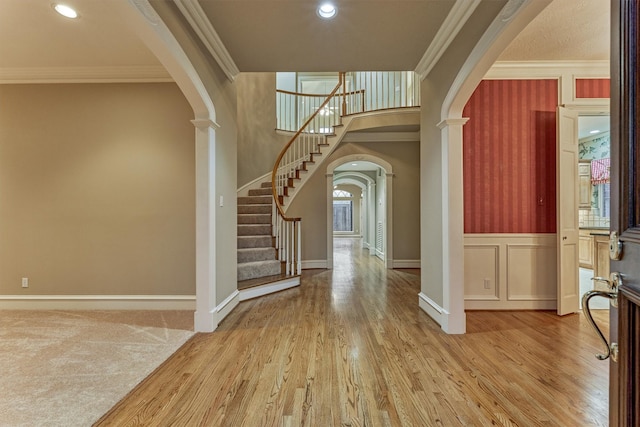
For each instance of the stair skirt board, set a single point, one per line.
(269, 288)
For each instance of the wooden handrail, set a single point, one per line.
(274, 173)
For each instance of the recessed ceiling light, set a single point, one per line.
(354, 164)
(65, 11)
(595, 131)
(327, 11)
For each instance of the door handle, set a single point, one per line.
(613, 284)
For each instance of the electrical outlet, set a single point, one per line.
(487, 283)
(25, 282)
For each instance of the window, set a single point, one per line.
(342, 211)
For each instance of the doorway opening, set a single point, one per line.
(359, 205)
(594, 206)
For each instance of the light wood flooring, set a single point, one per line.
(350, 347)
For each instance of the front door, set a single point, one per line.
(625, 210)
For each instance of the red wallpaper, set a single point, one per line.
(509, 157)
(593, 88)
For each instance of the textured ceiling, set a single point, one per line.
(564, 30)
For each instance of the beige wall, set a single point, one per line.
(96, 189)
(310, 203)
(257, 137)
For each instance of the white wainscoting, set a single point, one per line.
(510, 271)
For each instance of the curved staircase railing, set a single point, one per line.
(291, 162)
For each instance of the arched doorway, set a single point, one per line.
(374, 177)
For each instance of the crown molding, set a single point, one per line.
(199, 22)
(125, 74)
(548, 69)
(453, 23)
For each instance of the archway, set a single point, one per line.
(379, 190)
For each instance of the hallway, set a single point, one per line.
(350, 346)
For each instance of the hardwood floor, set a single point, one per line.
(350, 347)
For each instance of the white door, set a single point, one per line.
(567, 217)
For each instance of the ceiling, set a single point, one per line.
(285, 35)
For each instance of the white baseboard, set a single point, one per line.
(97, 302)
(225, 307)
(406, 263)
(510, 305)
(314, 263)
(270, 288)
(430, 307)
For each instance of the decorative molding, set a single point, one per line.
(510, 9)
(197, 18)
(225, 307)
(430, 307)
(102, 302)
(205, 124)
(147, 11)
(406, 263)
(513, 305)
(452, 122)
(313, 264)
(453, 23)
(547, 69)
(112, 74)
(258, 291)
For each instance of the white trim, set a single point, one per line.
(406, 263)
(225, 307)
(113, 74)
(547, 69)
(314, 263)
(430, 307)
(451, 26)
(204, 124)
(517, 305)
(258, 291)
(199, 22)
(97, 302)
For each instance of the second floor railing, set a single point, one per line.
(360, 92)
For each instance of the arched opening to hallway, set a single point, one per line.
(359, 207)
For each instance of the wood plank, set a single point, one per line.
(351, 347)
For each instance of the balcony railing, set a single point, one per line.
(360, 92)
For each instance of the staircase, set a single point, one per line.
(257, 256)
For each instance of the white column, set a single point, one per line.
(371, 188)
(453, 318)
(388, 226)
(205, 319)
(329, 181)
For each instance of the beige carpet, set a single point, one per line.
(67, 368)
